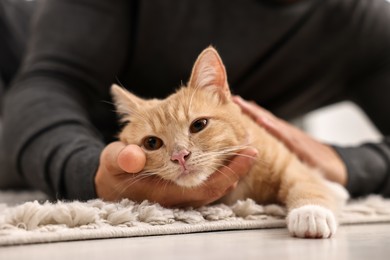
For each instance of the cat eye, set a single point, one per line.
(152, 143)
(198, 125)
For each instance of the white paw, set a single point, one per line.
(311, 221)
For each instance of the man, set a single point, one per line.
(289, 56)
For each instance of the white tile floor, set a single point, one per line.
(356, 242)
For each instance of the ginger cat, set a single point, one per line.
(193, 132)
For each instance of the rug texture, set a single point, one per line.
(28, 217)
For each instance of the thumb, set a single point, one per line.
(118, 158)
(132, 159)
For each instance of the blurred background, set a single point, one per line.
(342, 124)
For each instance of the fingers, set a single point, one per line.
(108, 157)
(249, 106)
(117, 158)
(307, 148)
(291, 136)
(275, 126)
(225, 179)
(132, 159)
(257, 113)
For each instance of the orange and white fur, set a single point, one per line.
(195, 131)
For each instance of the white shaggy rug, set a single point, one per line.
(27, 218)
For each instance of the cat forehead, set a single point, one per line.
(187, 102)
(176, 110)
(171, 109)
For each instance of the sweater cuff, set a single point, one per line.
(367, 169)
(80, 171)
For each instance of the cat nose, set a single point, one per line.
(180, 156)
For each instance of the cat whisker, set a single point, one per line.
(220, 166)
(119, 82)
(123, 186)
(227, 152)
(231, 148)
(132, 180)
(161, 185)
(235, 154)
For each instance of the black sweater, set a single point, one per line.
(289, 58)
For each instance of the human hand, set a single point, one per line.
(117, 178)
(308, 149)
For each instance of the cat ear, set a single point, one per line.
(126, 103)
(209, 72)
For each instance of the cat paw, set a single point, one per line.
(311, 221)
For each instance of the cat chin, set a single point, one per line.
(191, 180)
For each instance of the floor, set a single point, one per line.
(368, 242)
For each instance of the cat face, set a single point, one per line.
(192, 133)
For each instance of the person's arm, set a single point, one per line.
(362, 169)
(368, 164)
(308, 149)
(76, 50)
(368, 83)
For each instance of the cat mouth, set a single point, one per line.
(185, 172)
(190, 177)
